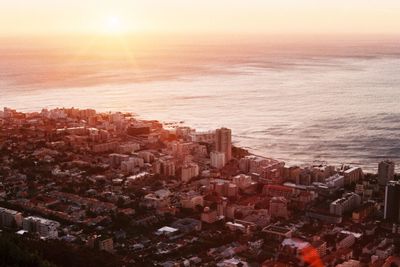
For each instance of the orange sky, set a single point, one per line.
(38, 17)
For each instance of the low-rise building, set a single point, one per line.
(277, 231)
(158, 199)
(345, 240)
(278, 207)
(191, 200)
(209, 215)
(242, 181)
(187, 225)
(350, 263)
(101, 242)
(105, 147)
(294, 246)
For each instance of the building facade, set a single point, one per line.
(217, 159)
(392, 201)
(223, 142)
(385, 172)
(44, 227)
(10, 218)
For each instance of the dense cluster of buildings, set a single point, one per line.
(157, 195)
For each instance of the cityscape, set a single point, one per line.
(199, 133)
(109, 189)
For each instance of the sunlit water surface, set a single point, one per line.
(340, 109)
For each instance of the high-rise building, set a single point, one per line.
(352, 175)
(223, 142)
(189, 171)
(217, 159)
(385, 171)
(392, 201)
(167, 167)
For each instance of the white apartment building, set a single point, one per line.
(348, 202)
(217, 159)
(44, 227)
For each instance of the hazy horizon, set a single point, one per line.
(43, 17)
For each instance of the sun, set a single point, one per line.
(114, 25)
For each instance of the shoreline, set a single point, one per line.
(175, 124)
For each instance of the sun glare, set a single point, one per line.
(114, 25)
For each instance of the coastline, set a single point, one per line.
(250, 151)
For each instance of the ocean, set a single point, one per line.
(337, 102)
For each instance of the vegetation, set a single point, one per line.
(13, 254)
(22, 251)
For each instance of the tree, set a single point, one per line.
(13, 254)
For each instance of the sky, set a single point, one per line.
(41, 17)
